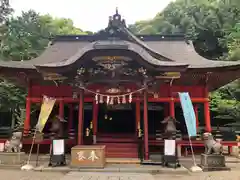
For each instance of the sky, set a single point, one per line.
(92, 15)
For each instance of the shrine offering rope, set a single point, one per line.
(114, 96)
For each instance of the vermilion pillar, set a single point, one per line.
(61, 108)
(172, 108)
(28, 116)
(207, 112)
(80, 118)
(138, 114)
(70, 117)
(145, 119)
(196, 115)
(171, 104)
(95, 121)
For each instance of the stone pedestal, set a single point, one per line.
(12, 158)
(213, 162)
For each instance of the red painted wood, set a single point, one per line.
(95, 117)
(52, 91)
(61, 108)
(91, 99)
(196, 115)
(138, 115)
(80, 119)
(145, 119)
(171, 103)
(194, 91)
(207, 112)
(66, 91)
(28, 116)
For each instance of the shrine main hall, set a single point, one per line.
(115, 87)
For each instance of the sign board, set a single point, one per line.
(58, 147)
(169, 147)
(88, 156)
(57, 157)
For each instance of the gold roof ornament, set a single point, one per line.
(169, 75)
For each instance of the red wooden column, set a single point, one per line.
(27, 121)
(145, 119)
(61, 108)
(196, 114)
(138, 115)
(207, 112)
(171, 104)
(80, 117)
(95, 121)
(70, 117)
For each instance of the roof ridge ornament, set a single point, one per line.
(116, 21)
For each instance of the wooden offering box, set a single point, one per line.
(91, 156)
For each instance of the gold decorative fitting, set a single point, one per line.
(81, 71)
(91, 125)
(169, 75)
(113, 91)
(139, 133)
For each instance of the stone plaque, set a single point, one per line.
(213, 162)
(92, 156)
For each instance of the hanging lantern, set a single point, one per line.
(91, 125)
(101, 99)
(96, 98)
(111, 101)
(118, 100)
(108, 98)
(124, 100)
(130, 98)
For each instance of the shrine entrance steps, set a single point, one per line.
(119, 146)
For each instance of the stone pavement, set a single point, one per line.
(32, 175)
(23, 175)
(107, 176)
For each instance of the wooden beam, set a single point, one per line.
(91, 99)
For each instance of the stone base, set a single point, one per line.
(213, 162)
(12, 158)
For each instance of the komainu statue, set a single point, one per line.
(14, 144)
(170, 129)
(57, 127)
(212, 146)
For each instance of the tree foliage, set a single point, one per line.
(24, 38)
(213, 26)
(29, 34)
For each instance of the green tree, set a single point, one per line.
(213, 26)
(25, 37)
(29, 34)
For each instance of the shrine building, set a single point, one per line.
(117, 87)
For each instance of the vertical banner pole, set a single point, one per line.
(193, 156)
(190, 120)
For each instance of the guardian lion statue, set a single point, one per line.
(14, 144)
(212, 146)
